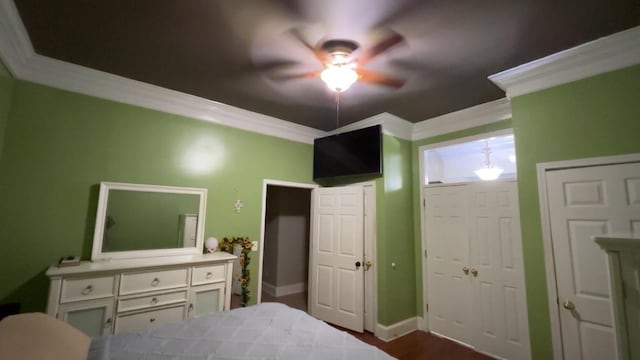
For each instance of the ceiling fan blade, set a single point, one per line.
(319, 54)
(392, 39)
(379, 79)
(286, 77)
(275, 65)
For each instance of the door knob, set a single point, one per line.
(367, 264)
(465, 270)
(569, 305)
(358, 265)
(474, 272)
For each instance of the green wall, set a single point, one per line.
(6, 91)
(594, 117)
(59, 145)
(396, 290)
(417, 202)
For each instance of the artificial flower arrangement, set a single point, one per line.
(227, 245)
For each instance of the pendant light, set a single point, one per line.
(488, 172)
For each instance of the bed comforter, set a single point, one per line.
(265, 331)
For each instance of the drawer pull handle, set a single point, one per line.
(155, 282)
(87, 290)
(190, 307)
(152, 319)
(154, 301)
(107, 324)
(209, 275)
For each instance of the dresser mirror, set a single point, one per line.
(137, 220)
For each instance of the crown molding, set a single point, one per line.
(25, 64)
(474, 116)
(15, 46)
(391, 125)
(22, 61)
(603, 55)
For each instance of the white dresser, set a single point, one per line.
(106, 297)
(624, 271)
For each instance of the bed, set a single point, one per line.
(264, 331)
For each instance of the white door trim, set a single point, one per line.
(424, 326)
(265, 183)
(371, 243)
(549, 262)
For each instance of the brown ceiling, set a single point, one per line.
(233, 51)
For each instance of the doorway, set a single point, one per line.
(367, 259)
(284, 244)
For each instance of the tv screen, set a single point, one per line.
(357, 152)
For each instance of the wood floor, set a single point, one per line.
(420, 345)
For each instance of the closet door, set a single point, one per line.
(500, 312)
(447, 239)
(584, 202)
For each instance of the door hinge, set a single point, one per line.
(427, 307)
(424, 203)
(425, 254)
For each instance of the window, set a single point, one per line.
(469, 161)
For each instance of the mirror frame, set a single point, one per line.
(98, 235)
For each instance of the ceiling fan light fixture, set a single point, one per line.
(339, 77)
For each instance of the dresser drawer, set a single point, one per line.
(152, 300)
(86, 289)
(133, 283)
(147, 319)
(208, 274)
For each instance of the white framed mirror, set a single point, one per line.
(138, 220)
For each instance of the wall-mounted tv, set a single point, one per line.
(352, 153)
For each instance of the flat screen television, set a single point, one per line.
(352, 153)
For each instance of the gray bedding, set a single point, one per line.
(265, 331)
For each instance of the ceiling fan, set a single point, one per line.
(342, 68)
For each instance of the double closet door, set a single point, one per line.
(475, 278)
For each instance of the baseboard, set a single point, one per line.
(388, 333)
(290, 289)
(284, 290)
(268, 288)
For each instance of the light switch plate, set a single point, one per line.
(254, 246)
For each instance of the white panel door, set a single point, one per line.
(584, 202)
(336, 278)
(499, 300)
(447, 240)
